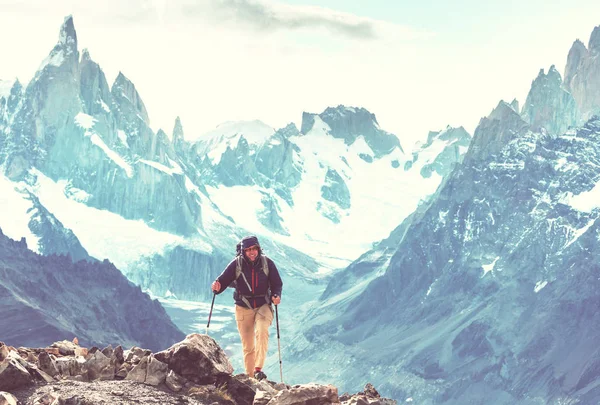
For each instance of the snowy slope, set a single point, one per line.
(382, 195)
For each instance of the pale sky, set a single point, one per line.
(418, 66)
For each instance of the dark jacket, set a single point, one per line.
(258, 280)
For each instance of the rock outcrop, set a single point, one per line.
(194, 371)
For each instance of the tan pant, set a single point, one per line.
(253, 325)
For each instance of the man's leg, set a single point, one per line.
(263, 320)
(245, 323)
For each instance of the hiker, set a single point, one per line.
(257, 285)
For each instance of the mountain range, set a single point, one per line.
(457, 271)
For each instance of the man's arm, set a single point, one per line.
(225, 279)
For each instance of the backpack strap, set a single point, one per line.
(238, 273)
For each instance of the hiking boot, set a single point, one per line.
(259, 375)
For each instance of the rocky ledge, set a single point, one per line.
(193, 371)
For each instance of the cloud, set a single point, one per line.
(269, 15)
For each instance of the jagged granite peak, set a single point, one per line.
(348, 123)
(278, 159)
(68, 36)
(549, 105)
(95, 91)
(124, 91)
(453, 143)
(449, 134)
(288, 131)
(65, 55)
(178, 135)
(582, 75)
(594, 44)
(515, 105)
(577, 54)
(496, 131)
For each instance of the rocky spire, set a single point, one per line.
(594, 44)
(495, 131)
(124, 90)
(64, 55)
(548, 105)
(178, 136)
(95, 92)
(577, 54)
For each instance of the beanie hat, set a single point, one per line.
(249, 241)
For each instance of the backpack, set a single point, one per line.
(238, 272)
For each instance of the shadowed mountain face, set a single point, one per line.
(492, 289)
(51, 298)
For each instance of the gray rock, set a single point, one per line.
(47, 364)
(138, 373)
(307, 394)
(550, 106)
(65, 347)
(99, 367)
(198, 358)
(71, 366)
(156, 373)
(174, 381)
(13, 375)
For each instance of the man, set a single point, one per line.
(256, 286)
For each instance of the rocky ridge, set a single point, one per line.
(193, 371)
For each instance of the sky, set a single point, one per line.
(418, 66)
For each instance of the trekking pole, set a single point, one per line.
(279, 344)
(210, 314)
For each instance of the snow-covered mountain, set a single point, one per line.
(488, 292)
(168, 212)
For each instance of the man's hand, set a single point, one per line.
(276, 299)
(216, 286)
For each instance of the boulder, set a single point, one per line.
(157, 372)
(99, 367)
(13, 375)
(174, 381)
(65, 347)
(138, 373)
(243, 389)
(71, 366)
(307, 394)
(47, 364)
(197, 358)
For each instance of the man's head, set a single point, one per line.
(250, 247)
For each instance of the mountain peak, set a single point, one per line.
(124, 88)
(68, 36)
(594, 44)
(349, 123)
(85, 55)
(178, 136)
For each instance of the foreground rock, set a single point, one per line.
(194, 371)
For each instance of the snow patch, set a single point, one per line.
(122, 137)
(85, 121)
(158, 166)
(489, 267)
(16, 212)
(584, 202)
(539, 285)
(114, 156)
